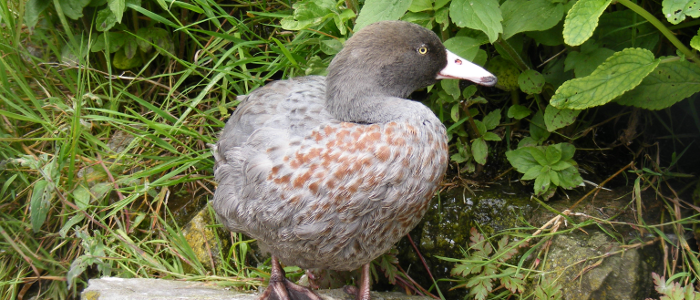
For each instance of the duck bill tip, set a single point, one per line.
(460, 68)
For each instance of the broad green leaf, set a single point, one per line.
(667, 84)
(116, 41)
(582, 19)
(32, 10)
(561, 165)
(480, 150)
(469, 91)
(554, 73)
(695, 42)
(555, 118)
(539, 155)
(570, 178)
(442, 16)
(105, 20)
(380, 10)
(308, 13)
(421, 18)
(567, 150)
(73, 8)
(676, 10)
(542, 182)
(130, 47)
(618, 74)
(440, 3)
(532, 173)
(506, 71)
(518, 112)
(531, 82)
(40, 203)
(480, 126)
(121, 61)
(420, 5)
(331, 46)
(161, 38)
(490, 136)
(533, 15)
(81, 196)
(70, 223)
(492, 119)
(585, 62)
(626, 29)
(465, 47)
(538, 131)
(554, 177)
(451, 86)
(482, 15)
(117, 7)
(553, 154)
(521, 159)
(144, 41)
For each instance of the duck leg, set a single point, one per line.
(280, 288)
(361, 292)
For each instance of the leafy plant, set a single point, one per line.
(484, 264)
(671, 290)
(551, 166)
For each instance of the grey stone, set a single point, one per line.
(112, 288)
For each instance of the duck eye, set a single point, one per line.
(422, 50)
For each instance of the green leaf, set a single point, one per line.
(554, 177)
(308, 13)
(550, 37)
(144, 41)
(480, 287)
(492, 119)
(480, 126)
(451, 86)
(695, 42)
(454, 112)
(667, 84)
(121, 61)
(618, 74)
(518, 112)
(117, 7)
(567, 150)
(81, 195)
(570, 178)
(542, 182)
(442, 16)
(585, 62)
(538, 131)
(32, 10)
(40, 203)
(331, 46)
(105, 20)
(521, 159)
(676, 10)
(480, 150)
(561, 165)
(531, 82)
(130, 47)
(379, 10)
(532, 173)
(469, 91)
(116, 41)
(421, 18)
(490, 136)
(582, 19)
(420, 5)
(464, 47)
(533, 15)
(556, 118)
(553, 154)
(482, 15)
(73, 8)
(539, 155)
(161, 38)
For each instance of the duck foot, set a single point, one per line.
(280, 288)
(363, 292)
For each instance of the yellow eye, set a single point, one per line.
(422, 50)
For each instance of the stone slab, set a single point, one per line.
(112, 288)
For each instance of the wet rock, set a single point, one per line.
(112, 288)
(578, 261)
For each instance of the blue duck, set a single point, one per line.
(330, 172)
